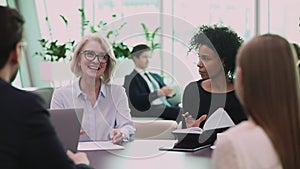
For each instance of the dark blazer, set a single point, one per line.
(140, 97)
(28, 139)
(138, 91)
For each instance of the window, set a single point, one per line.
(281, 18)
(188, 16)
(129, 11)
(3, 2)
(178, 19)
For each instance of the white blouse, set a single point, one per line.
(110, 111)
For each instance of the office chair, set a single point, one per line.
(45, 93)
(156, 129)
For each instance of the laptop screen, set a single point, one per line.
(67, 124)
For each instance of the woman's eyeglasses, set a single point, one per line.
(91, 55)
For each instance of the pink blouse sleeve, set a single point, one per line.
(225, 155)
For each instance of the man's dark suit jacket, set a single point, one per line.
(140, 97)
(27, 138)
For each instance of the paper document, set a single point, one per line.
(98, 145)
(219, 119)
(193, 130)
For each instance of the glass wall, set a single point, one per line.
(281, 18)
(121, 20)
(131, 13)
(189, 15)
(3, 2)
(177, 20)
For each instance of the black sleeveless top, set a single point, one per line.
(198, 102)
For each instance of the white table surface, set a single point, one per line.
(144, 154)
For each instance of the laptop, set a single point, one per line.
(67, 124)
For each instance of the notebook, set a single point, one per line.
(67, 124)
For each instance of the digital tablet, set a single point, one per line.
(184, 149)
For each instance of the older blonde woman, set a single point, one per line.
(106, 111)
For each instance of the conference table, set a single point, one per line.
(145, 154)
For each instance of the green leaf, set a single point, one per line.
(109, 33)
(65, 20)
(156, 46)
(154, 33)
(102, 25)
(121, 50)
(92, 29)
(150, 37)
(146, 31)
(86, 23)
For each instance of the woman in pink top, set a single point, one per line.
(267, 85)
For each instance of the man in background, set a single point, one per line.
(146, 90)
(28, 139)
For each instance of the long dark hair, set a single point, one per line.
(270, 97)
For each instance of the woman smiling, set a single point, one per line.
(106, 111)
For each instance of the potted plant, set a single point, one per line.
(120, 49)
(55, 52)
(56, 57)
(150, 37)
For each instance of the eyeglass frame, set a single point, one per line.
(99, 57)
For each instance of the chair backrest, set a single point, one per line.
(45, 93)
(154, 129)
(177, 99)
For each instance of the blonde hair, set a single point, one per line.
(270, 96)
(76, 69)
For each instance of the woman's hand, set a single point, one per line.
(116, 136)
(191, 122)
(82, 132)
